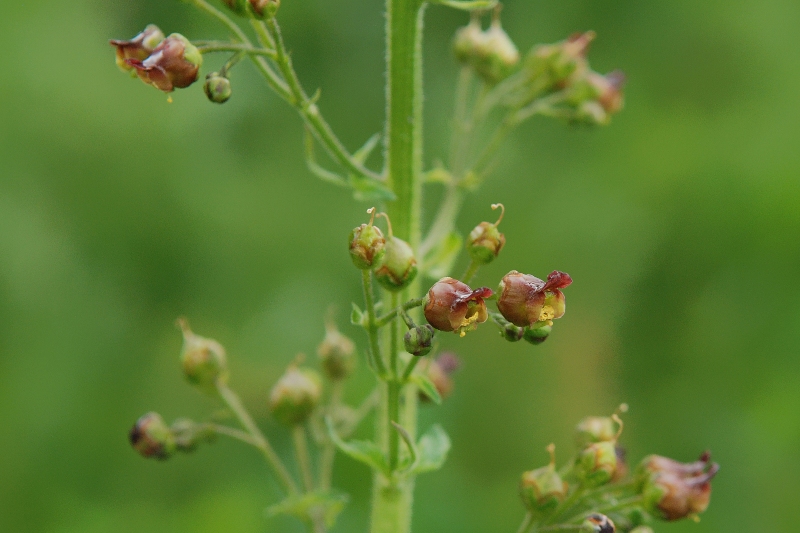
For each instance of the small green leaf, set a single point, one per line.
(439, 260)
(412, 448)
(357, 316)
(438, 175)
(432, 447)
(320, 172)
(362, 153)
(427, 387)
(361, 450)
(370, 190)
(467, 5)
(300, 506)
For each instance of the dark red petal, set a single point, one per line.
(557, 280)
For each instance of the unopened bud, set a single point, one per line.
(258, 8)
(151, 437)
(553, 66)
(595, 429)
(173, 64)
(537, 335)
(452, 306)
(485, 241)
(399, 266)
(622, 469)
(468, 42)
(139, 47)
(295, 395)
(673, 490)
(337, 353)
(440, 373)
(204, 362)
(543, 489)
(419, 340)
(597, 523)
(367, 244)
(525, 300)
(498, 54)
(217, 88)
(597, 463)
(512, 333)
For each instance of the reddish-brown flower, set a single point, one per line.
(173, 64)
(139, 47)
(452, 306)
(673, 490)
(608, 89)
(525, 299)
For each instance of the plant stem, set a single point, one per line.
(410, 368)
(235, 405)
(303, 457)
(328, 453)
(398, 310)
(235, 434)
(361, 412)
(472, 269)
(213, 46)
(609, 508)
(372, 328)
(566, 505)
(526, 524)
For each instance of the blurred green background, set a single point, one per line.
(680, 223)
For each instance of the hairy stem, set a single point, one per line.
(303, 457)
(235, 405)
(328, 453)
(372, 328)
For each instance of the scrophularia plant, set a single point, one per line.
(594, 490)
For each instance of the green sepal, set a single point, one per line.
(364, 152)
(432, 450)
(301, 505)
(439, 260)
(366, 452)
(427, 387)
(357, 317)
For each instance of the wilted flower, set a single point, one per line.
(151, 437)
(452, 306)
(543, 489)
(139, 47)
(525, 299)
(173, 64)
(673, 490)
(485, 241)
(367, 244)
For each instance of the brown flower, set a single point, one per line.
(673, 490)
(139, 47)
(453, 306)
(173, 64)
(525, 299)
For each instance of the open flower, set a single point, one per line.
(525, 299)
(452, 306)
(673, 490)
(173, 64)
(139, 47)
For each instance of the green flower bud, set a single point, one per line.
(554, 66)
(419, 340)
(337, 353)
(672, 490)
(597, 523)
(139, 47)
(595, 429)
(537, 335)
(151, 437)
(217, 88)
(258, 8)
(367, 244)
(188, 434)
(596, 463)
(512, 333)
(204, 361)
(295, 395)
(497, 54)
(173, 64)
(399, 266)
(485, 241)
(468, 42)
(543, 489)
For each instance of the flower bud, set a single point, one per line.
(337, 354)
(608, 89)
(512, 333)
(553, 65)
(419, 340)
(295, 395)
(597, 523)
(139, 47)
(525, 299)
(452, 306)
(399, 266)
(543, 489)
(485, 241)
(597, 463)
(174, 63)
(151, 437)
(439, 372)
(258, 8)
(673, 490)
(204, 361)
(537, 335)
(595, 429)
(188, 434)
(468, 42)
(621, 471)
(217, 88)
(497, 54)
(367, 244)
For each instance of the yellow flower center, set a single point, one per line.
(468, 324)
(548, 313)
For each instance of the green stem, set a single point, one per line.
(235, 405)
(361, 412)
(472, 269)
(566, 505)
(235, 434)
(399, 310)
(328, 453)
(526, 524)
(212, 47)
(372, 328)
(445, 219)
(223, 18)
(410, 368)
(609, 508)
(303, 457)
